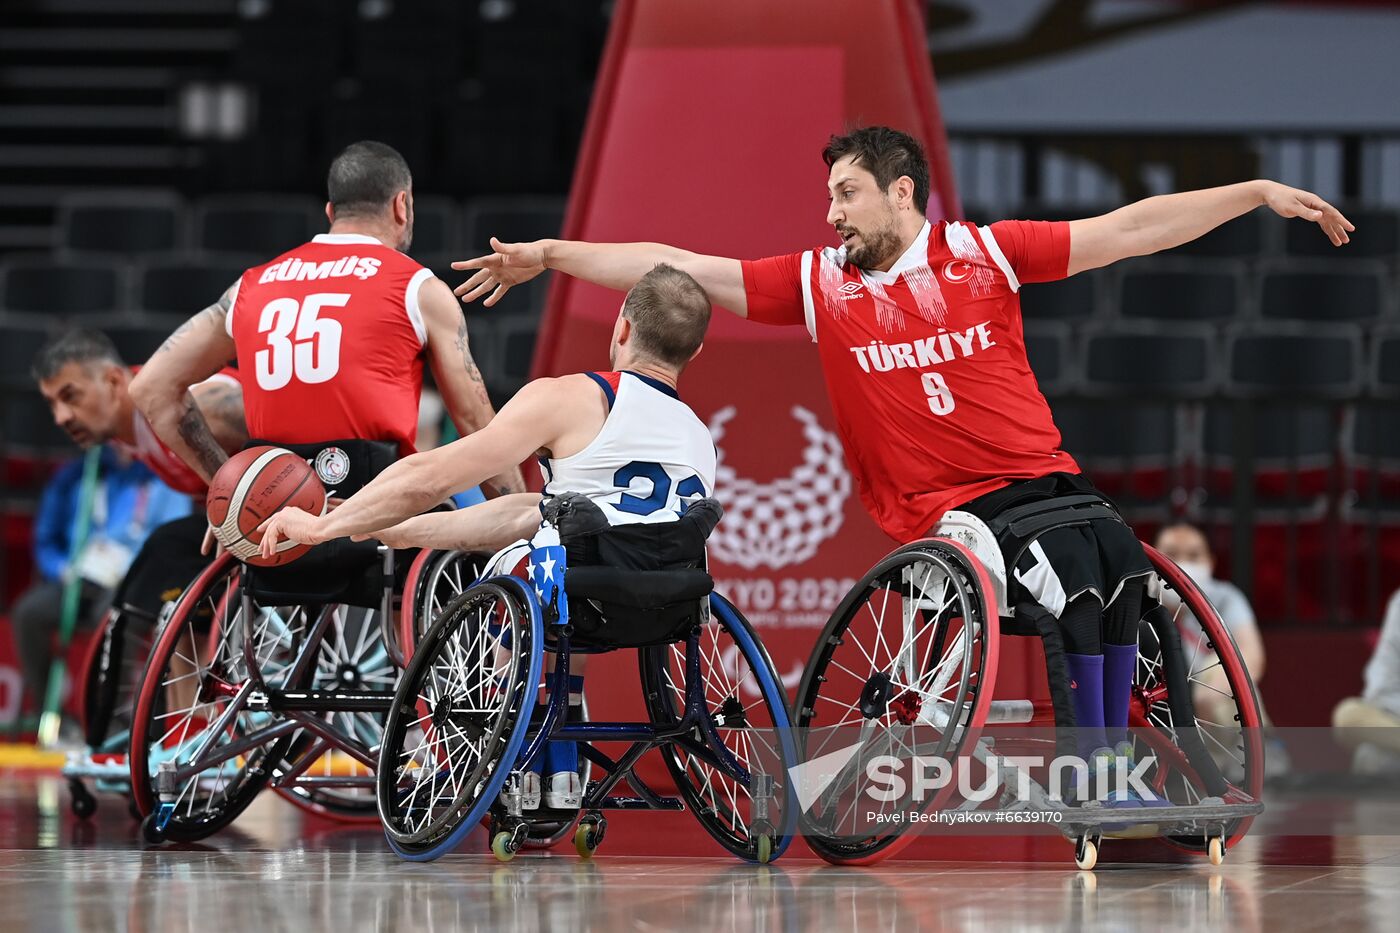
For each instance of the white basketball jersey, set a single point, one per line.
(651, 456)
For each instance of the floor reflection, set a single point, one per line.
(272, 872)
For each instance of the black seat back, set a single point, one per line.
(635, 585)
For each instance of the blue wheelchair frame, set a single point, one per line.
(547, 605)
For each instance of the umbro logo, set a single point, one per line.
(851, 290)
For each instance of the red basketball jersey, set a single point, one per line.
(926, 363)
(330, 343)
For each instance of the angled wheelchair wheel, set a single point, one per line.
(111, 674)
(459, 717)
(1194, 709)
(906, 667)
(353, 657)
(434, 579)
(196, 667)
(732, 770)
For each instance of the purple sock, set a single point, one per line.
(1086, 692)
(1119, 664)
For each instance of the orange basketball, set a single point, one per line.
(249, 489)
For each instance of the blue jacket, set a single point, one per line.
(135, 502)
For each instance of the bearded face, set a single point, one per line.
(863, 216)
(874, 245)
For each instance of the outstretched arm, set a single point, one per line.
(197, 350)
(1169, 220)
(611, 265)
(458, 378)
(486, 527)
(415, 484)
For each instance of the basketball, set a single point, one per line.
(249, 489)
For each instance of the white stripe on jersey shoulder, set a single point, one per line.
(228, 318)
(345, 239)
(998, 257)
(410, 303)
(809, 309)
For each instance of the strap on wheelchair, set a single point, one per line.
(1018, 527)
(343, 466)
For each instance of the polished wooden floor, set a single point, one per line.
(274, 871)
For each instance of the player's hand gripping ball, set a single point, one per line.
(252, 486)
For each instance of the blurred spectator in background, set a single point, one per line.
(1211, 695)
(127, 503)
(1370, 723)
(436, 429)
(1187, 547)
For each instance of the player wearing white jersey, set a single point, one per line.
(624, 439)
(651, 439)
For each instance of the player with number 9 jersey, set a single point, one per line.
(331, 339)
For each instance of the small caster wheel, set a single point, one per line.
(1086, 853)
(1215, 848)
(589, 834)
(504, 846)
(83, 803)
(150, 829)
(762, 836)
(763, 849)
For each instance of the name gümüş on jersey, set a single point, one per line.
(299, 270)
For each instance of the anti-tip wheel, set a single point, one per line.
(1086, 853)
(83, 803)
(150, 831)
(1215, 848)
(503, 846)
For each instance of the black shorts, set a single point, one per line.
(1063, 563)
(168, 562)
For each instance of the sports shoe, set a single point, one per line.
(565, 791)
(529, 791)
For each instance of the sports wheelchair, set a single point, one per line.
(274, 677)
(461, 729)
(912, 652)
(106, 693)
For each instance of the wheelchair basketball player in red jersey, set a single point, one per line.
(918, 324)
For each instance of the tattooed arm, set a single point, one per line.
(197, 350)
(220, 400)
(458, 378)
